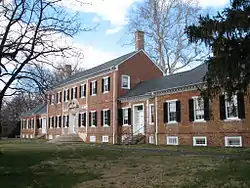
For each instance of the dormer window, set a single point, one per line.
(125, 81)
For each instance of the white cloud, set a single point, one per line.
(113, 30)
(213, 3)
(114, 11)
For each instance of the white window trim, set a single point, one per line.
(230, 118)
(52, 101)
(125, 75)
(198, 120)
(105, 139)
(104, 78)
(124, 108)
(74, 92)
(173, 137)
(150, 113)
(92, 111)
(94, 81)
(66, 94)
(59, 97)
(171, 122)
(233, 137)
(151, 139)
(103, 117)
(199, 137)
(83, 86)
(94, 140)
(57, 123)
(50, 122)
(81, 118)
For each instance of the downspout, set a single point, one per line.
(156, 121)
(47, 121)
(87, 108)
(114, 106)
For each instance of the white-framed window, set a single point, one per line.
(151, 113)
(93, 119)
(58, 122)
(172, 111)
(92, 139)
(83, 90)
(66, 95)
(231, 107)
(93, 87)
(125, 116)
(50, 122)
(74, 93)
(59, 94)
(172, 140)
(199, 141)
(50, 136)
(105, 139)
(105, 117)
(198, 109)
(82, 119)
(106, 84)
(125, 81)
(233, 141)
(151, 139)
(52, 100)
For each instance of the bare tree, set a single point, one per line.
(30, 34)
(164, 23)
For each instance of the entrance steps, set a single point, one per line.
(41, 136)
(66, 139)
(134, 139)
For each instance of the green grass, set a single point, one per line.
(28, 164)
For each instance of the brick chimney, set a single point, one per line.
(68, 70)
(139, 40)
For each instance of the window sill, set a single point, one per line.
(93, 95)
(106, 126)
(234, 146)
(232, 119)
(172, 123)
(105, 92)
(93, 126)
(125, 125)
(125, 88)
(151, 123)
(83, 97)
(200, 121)
(200, 145)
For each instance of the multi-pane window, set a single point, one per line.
(172, 140)
(52, 99)
(66, 95)
(105, 117)
(93, 118)
(198, 108)
(82, 120)
(125, 116)
(93, 88)
(151, 113)
(83, 90)
(231, 107)
(65, 121)
(92, 138)
(50, 122)
(105, 139)
(74, 93)
(59, 97)
(233, 141)
(172, 111)
(200, 141)
(125, 82)
(105, 84)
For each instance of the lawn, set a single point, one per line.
(26, 164)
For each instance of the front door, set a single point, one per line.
(44, 122)
(138, 124)
(72, 124)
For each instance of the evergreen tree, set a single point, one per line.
(228, 36)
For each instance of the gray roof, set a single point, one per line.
(190, 77)
(41, 109)
(90, 72)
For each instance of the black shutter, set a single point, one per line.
(120, 116)
(71, 93)
(79, 120)
(178, 111)
(102, 118)
(84, 94)
(191, 109)
(76, 92)
(241, 105)
(108, 83)
(129, 116)
(165, 112)
(222, 107)
(108, 117)
(95, 87)
(80, 91)
(96, 119)
(206, 109)
(84, 119)
(64, 95)
(90, 88)
(60, 121)
(37, 123)
(102, 85)
(68, 94)
(90, 119)
(60, 97)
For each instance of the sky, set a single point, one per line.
(109, 17)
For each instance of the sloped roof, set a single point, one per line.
(41, 109)
(92, 71)
(190, 77)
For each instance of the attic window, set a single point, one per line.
(125, 81)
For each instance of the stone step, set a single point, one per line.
(71, 138)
